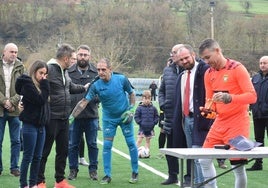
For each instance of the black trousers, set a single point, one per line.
(161, 140)
(260, 125)
(153, 96)
(173, 163)
(58, 131)
(162, 136)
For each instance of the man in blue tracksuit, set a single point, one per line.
(118, 99)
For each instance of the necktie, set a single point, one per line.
(187, 95)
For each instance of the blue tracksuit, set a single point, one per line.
(114, 100)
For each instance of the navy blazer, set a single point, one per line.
(201, 124)
(260, 108)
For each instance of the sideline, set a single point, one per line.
(147, 167)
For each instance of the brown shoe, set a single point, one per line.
(15, 172)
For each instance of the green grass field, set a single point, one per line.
(121, 170)
(258, 6)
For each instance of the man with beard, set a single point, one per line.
(190, 90)
(83, 72)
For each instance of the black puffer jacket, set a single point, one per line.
(33, 101)
(260, 108)
(167, 93)
(146, 116)
(60, 89)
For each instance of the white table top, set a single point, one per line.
(211, 153)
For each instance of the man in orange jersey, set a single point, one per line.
(229, 92)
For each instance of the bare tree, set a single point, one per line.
(136, 35)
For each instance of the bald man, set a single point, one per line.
(260, 108)
(10, 69)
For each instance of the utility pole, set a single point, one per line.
(212, 5)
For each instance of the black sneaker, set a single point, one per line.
(187, 179)
(93, 175)
(15, 172)
(73, 174)
(169, 181)
(255, 167)
(187, 184)
(105, 180)
(134, 178)
(222, 165)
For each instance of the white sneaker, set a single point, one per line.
(82, 161)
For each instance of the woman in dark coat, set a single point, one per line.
(34, 91)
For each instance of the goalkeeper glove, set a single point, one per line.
(127, 116)
(222, 97)
(71, 120)
(226, 98)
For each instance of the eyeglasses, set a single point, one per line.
(81, 55)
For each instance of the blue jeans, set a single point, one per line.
(14, 134)
(188, 130)
(33, 143)
(90, 128)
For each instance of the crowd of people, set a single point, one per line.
(201, 97)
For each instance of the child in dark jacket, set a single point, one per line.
(146, 116)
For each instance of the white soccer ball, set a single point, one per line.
(143, 152)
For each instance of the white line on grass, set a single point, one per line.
(147, 167)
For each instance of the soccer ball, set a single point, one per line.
(143, 152)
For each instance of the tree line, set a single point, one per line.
(136, 35)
